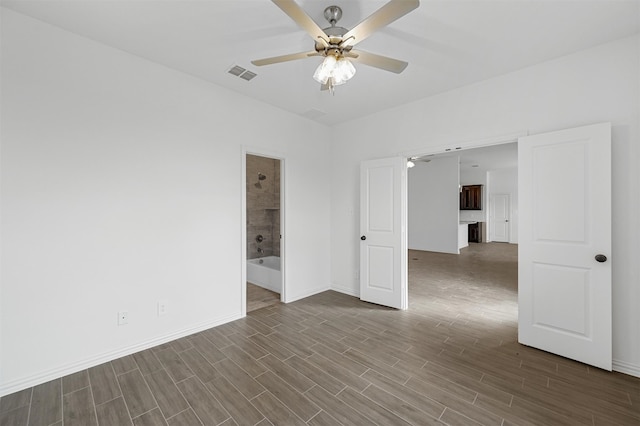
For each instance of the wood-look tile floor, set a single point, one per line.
(258, 297)
(330, 359)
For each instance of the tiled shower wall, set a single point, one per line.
(263, 206)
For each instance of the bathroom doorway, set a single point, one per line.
(263, 182)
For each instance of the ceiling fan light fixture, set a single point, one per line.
(325, 69)
(343, 71)
(337, 71)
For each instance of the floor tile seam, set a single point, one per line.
(334, 396)
(61, 403)
(502, 404)
(592, 398)
(191, 406)
(289, 408)
(93, 399)
(408, 403)
(371, 401)
(19, 406)
(446, 391)
(317, 414)
(30, 406)
(604, 410)
(421, 393)
(241, 394)
(240, 367)
(399, 414)
(238, 390)
(179, 412)
(175, 384)
(590, 385)
(545, 408)
(128, 371)
(375, 368)
(338, 366)
(144, 380)
(121, 395)
(318, 384)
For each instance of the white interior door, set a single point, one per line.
(383, 219)
(564, 274)
(500, 207)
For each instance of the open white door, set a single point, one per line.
(383, 220)
(564, 270)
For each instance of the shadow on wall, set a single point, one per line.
(263, 207)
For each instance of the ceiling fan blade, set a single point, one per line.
(295, 12)
(382, 17)
(284, 58)
(377, 61)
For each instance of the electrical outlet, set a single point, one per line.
(123, 318)
(163, 306)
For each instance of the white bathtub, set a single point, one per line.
(265, 272)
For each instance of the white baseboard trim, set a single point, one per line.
(306, 294)
(626, 368)
(45, 376)
(345, 290)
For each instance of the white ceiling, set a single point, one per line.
(448, 43)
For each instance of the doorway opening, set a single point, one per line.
(263, 231)
(456, 251)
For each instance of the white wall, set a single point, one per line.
(475, 177)
(121, 186)
(597, 85)
(433, 205)
(505, 181)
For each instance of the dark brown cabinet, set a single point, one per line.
(475, 232)
(471, 197)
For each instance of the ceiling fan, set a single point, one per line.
(336, 44)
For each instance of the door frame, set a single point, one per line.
(247, 150)
(449, 148)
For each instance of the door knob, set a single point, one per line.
(363, 238)
(601, 258)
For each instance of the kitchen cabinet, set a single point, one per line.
(471, 197)
(475, 232)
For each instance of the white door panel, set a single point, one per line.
(500, 208)
(383, 217)
(565, 221)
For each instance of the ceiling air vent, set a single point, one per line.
(247, 75)
(243, 73)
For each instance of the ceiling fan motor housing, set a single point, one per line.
(335, 34)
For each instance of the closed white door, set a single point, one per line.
(499, 225)
(383, 242)
(564, 265)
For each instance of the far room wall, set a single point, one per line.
(596, 85)
(433, 204)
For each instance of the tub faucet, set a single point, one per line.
(260, 250)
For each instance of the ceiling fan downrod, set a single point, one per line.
(333, 14)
